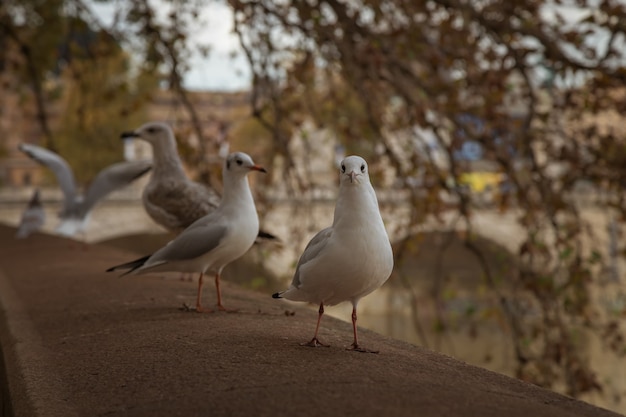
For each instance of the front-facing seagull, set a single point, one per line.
(350, 259)
(215, 240)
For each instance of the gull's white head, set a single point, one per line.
(240, 164)
(155, 133)
(353, 170)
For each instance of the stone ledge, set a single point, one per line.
(77, 341)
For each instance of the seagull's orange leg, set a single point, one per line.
(220, 306)
(355, 346)
(315, 341)
(199, 307)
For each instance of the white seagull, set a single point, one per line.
(33, 217)
(170, 198)
(76, 207)
(350, 259)
(215, 240)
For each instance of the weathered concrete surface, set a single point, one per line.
(80, 342)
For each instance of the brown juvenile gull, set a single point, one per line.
(350, 259)
(33, 217)
(170, 198)
(215, 240)
(77, 207)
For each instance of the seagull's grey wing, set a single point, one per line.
(178, 204)
(113, 177)
(57, 165)
(312, 250)
(193, 242)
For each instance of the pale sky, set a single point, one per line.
(218, 71)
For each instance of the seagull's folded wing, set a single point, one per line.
(312, 251)
(192, 243)
(181, 202)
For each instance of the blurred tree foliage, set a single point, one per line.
(22, 28)
(408, 84)
(99, 100)
(84, 90)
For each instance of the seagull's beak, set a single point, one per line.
(127, 135)
(352, 176)
(258, 168)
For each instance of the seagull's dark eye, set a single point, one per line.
(239, 161)
(151, 130)
(343, 168)
(363, 168)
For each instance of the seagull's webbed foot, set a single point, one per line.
(227, 310)
(314, 343)
(196, 309)
(356, 348)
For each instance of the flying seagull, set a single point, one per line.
(215, 240)
(349, 259)
(77, 207)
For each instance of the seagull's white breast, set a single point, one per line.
(244, 230)
(356, 260)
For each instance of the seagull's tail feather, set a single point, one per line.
(277, 295)
(266, 235)
(131, 266)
